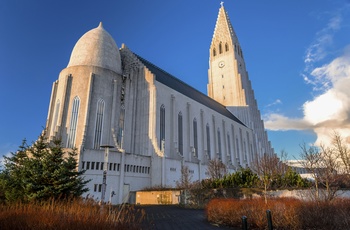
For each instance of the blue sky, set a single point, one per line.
(296, 53)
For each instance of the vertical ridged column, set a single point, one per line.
(51, 127)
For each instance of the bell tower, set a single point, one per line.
(227, 73)
(228, 81)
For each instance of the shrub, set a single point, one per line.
(287, 213)
(71, 214)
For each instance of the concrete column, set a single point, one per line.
(122, 175)
(188, 134)
(65, 104)
(201, 155)
(51, 127)
(214, 156)
(114, 103)
(172, 126)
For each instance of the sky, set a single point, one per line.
(297, 54)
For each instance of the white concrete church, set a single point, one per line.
(148, 122)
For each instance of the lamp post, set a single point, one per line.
(105, 167)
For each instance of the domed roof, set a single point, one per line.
(96, 48)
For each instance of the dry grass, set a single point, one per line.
(74, 214)
(286, 213)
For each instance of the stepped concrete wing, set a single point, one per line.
(183, 88)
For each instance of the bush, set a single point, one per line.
(71, 214)
(287, 213)
(246, 178)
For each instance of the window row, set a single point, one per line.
(240, 147)
(97, 187)
(137, 169)
(91, 165)
(220, 48)
(172, 169)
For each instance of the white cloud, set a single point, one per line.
(276, 102)
(325, 107)
(278, 122)
(327, 112)
(318, 49)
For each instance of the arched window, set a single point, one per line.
(162, 127)
(214, 52)
(219, 145)
(220, 48)
(208, 141)
(55, 118)
(99, 123)
(180, 133)
(73, 123)
(226, 47)
(195, 138)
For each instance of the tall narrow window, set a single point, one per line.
(73, 123)
(237, 149)
(226, 47)
(180, 133)
(208, 141)
(214, 52)
(195, 138)
(220, 48)
(249, 151)
(229, 147)
(99, 123)
(97, 165)
(121, 127)
(162, 127)
(219, 145)
(55, 118)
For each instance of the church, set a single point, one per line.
(135, 126)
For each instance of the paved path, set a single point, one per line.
(166, 217)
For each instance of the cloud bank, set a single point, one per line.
(330, 110)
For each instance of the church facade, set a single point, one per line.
(135, 126)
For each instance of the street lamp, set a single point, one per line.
(105, 167)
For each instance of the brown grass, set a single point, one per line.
(74, 214)
(286, 213)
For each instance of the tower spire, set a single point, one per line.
(228, 81)
(225, 58)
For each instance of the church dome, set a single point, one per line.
(96, 48)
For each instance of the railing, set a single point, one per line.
(269, 221)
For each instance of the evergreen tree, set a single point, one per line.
(42, 171)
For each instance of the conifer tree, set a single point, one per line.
(42, 171)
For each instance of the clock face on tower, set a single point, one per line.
(221, 64)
